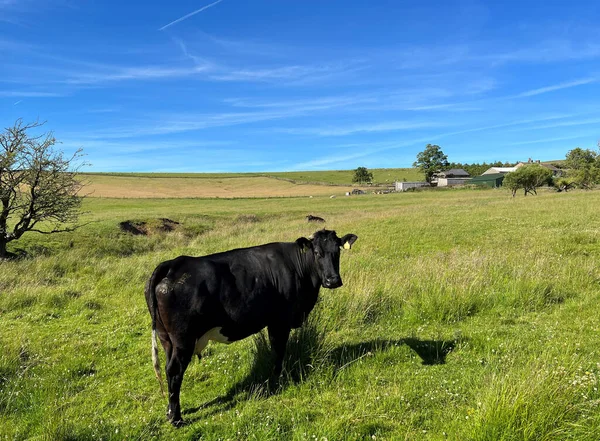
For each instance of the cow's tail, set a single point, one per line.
(159, 273)
(156, 362)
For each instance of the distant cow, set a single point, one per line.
(311, 218)
(231, 295)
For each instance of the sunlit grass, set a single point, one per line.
(464, 315)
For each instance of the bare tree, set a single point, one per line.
(39, 186)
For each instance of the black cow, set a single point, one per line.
(311, 218)
(231, 295)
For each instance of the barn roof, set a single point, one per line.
(457, 172)
(488, 177)
(496, 170)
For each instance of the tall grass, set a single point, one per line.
(464, 315)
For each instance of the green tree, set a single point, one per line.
(564, 183)
(431, 160)
(477, 169)
(579, 158)
(528, 178)
(39, 187)
(362, 176)
(583, 167)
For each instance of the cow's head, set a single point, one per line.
(326, 248)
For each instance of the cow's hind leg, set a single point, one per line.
(176, 366)
(278, 337)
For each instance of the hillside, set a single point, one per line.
(232, 185)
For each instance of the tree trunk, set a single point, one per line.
(2, 248)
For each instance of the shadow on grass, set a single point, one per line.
(17, 255)
(430, 351)
(306, 351)
(306, 348)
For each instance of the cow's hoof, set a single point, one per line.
(178, 423)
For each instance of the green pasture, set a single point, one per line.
(344, 177)
(464, 315)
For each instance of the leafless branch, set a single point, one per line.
(38, 185)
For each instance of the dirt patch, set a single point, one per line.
(146, 228)
(135, 228)
(167, 224)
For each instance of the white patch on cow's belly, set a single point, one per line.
(215, 335)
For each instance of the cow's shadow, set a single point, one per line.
(302, 350)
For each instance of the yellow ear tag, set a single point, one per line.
(347, 246)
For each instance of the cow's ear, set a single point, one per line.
(304, 243)
(348, 240)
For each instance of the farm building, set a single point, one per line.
(498, 170)
(449, 178)
(555, 171)
(450, 182)
(454, 173)
(493, 180)
(494, 170)
(403, 186)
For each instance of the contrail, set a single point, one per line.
(18, 102)
(189, 15)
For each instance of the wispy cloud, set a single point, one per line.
(329, 160)
(28, 94)
(489, 53)
(389, 126)
(133, 73)
(554, 87)
(315, 103)
(275, 73)
(546, 51)
(197, 60)
(412, 99)
(555, 139)
(291, 75)
(128, 147)
(191, 14)
(557, 124)
(503, 125)
(252, 47)
(13, 11)
(188, 122)
(288, 73)
(181, 123)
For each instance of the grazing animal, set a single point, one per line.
(231, 295)
(311, 218)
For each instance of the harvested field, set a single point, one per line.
(107, 186)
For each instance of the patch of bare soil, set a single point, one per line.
(146, 228)
(167, 224)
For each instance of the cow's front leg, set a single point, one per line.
(278, 337)
(180, 358)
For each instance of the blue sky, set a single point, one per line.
(233, 85)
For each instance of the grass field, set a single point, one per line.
(499, 295)
(344, 177)
(228, 185)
